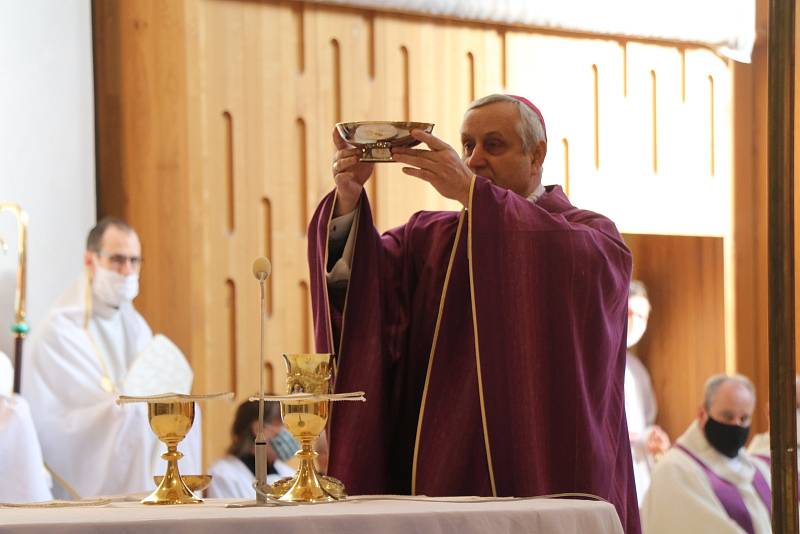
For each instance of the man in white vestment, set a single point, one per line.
(648, 440)
(24, 476)
(233, 474)
(707, 482)
(93, 346)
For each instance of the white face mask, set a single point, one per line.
(638, 313)
(113, 288)
(636, 328)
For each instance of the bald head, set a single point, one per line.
(729, 399)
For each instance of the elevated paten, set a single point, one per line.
(377, 138)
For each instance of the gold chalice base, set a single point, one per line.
(195, 483)
(332, 486)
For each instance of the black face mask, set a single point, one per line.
(727, 439)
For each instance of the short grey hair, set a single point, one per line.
(529, 128)
(713, 384)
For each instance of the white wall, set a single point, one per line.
(46, 147)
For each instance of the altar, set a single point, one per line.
(368, 514)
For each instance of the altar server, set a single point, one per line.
(500, 327)
(707, 482)
(92, 346)
(233, 474)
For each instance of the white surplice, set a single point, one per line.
(232, 479)
(680, 498)
(640, 412)
(24, 476)
(71, 378)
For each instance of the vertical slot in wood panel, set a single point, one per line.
(300, 32)
(306, 321)
(503, 58)
(596, 78)
(625, 69)
(471, 75)
(565, 144)
(712, 145)
(230, 305)
(266, 206)
(269, 378)
(683, 75)
(654, 116)
(230, 188)
(336, 63)
(406, 84)
(302, 166)
(371, 45)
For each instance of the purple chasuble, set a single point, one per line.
(729, 495)
(537, 409)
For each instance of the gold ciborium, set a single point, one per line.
(171, 422)
(306, 419)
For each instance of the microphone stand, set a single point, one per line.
(261, 442)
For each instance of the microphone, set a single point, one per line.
(262, 268)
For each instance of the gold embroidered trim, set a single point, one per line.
(477, 343)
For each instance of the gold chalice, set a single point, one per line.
(306, 419)
(171, 422)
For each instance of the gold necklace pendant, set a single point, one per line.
(106, 384)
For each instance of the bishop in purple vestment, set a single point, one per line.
(491, 341)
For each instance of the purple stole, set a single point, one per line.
(730, 497)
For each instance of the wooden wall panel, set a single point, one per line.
(214, 129)
(685, 339)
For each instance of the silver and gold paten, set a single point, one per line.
(377, 138)
(306, 419)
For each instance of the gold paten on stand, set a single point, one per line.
(306, 419)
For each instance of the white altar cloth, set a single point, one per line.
(531, 516)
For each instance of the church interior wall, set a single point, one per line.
(215, 120)
(47, 164)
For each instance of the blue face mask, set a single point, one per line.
(284, 445)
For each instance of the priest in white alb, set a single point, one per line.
(708, 482)
(93, 346)
(648, 440)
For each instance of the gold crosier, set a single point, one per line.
(20, 326)
(468, 212)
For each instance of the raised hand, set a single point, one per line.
(441, 166)
(349, 173)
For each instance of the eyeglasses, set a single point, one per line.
(119, 260)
